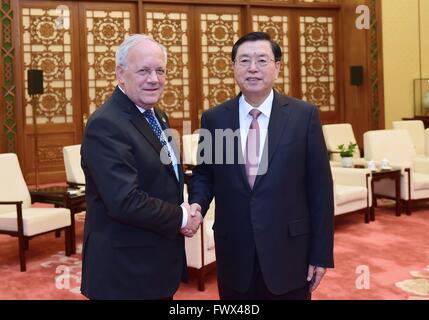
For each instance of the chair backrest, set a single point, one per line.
(12, 183)
(74, 172)
(394, 145)
(416, 130)
(339, 133)
(190, 148)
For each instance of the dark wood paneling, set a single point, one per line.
(357, 106)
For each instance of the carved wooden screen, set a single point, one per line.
(106, 27)
(199, 68)
(170, 25)
(317, 61)
(276, 24)
(74, 44)
(46, 45)
(48, 38)
(219, 30)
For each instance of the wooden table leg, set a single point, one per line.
(398, 194)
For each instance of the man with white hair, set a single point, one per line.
(133, 245)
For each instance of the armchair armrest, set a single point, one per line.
(11, 202)
(350, 176)
(18, 214)
(421, 164)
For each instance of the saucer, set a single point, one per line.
(386, 168)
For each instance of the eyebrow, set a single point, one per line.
(249, 55)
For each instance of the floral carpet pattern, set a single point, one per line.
(418, 286)
(385, 259)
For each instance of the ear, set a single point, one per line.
(278, 65)
(120, 74)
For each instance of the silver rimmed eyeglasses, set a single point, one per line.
(247, 62)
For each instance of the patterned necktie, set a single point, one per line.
(148, 114)
(252, 148)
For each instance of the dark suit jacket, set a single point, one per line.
(286, 221)
(132, 246)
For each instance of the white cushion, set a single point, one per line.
(72, 165)
(336, 134)
(416, 130)
(420, 181)
(394, 145)
(12, 183)
(190, 148)
(36, 220)
(208, 233)
(344, 194)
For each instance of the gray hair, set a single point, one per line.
(128, 43)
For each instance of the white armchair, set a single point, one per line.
(352, 191)
(397, 146)
(74, 172)
(18, 218)
(200, 249)
(419, 135)
(340, 133)
(190, 148)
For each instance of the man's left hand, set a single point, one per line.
(315, 275)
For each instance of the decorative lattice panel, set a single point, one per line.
(317, 61)
(6, 64)
(218, 34)
(46, 45)
(171, 29)
(277, 28)
(105, 31)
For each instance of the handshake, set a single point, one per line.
(194, 219)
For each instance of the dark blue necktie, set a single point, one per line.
(148, 114)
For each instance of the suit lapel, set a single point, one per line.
(173, 144)
(233, 108)
(280, 114)
(140, 123)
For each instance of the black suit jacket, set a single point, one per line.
(132, 246)
(286, 221)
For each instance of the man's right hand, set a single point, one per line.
(194, 220)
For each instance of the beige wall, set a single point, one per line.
(401, 54)
(424, 26)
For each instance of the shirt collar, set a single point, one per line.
(265, 107)
(138, 107)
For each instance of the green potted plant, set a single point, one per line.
(346, 154)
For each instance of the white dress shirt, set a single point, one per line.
(263, 120)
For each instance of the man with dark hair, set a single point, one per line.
(274, 205)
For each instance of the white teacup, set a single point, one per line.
(385, 164)
(371, 165)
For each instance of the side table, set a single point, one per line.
(392, 174)
(66, 197)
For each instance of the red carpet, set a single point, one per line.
(386, 259)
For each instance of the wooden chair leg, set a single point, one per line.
(408, 207)
(201, 274)
(408, 212)
(21, 245)
(68, 241)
